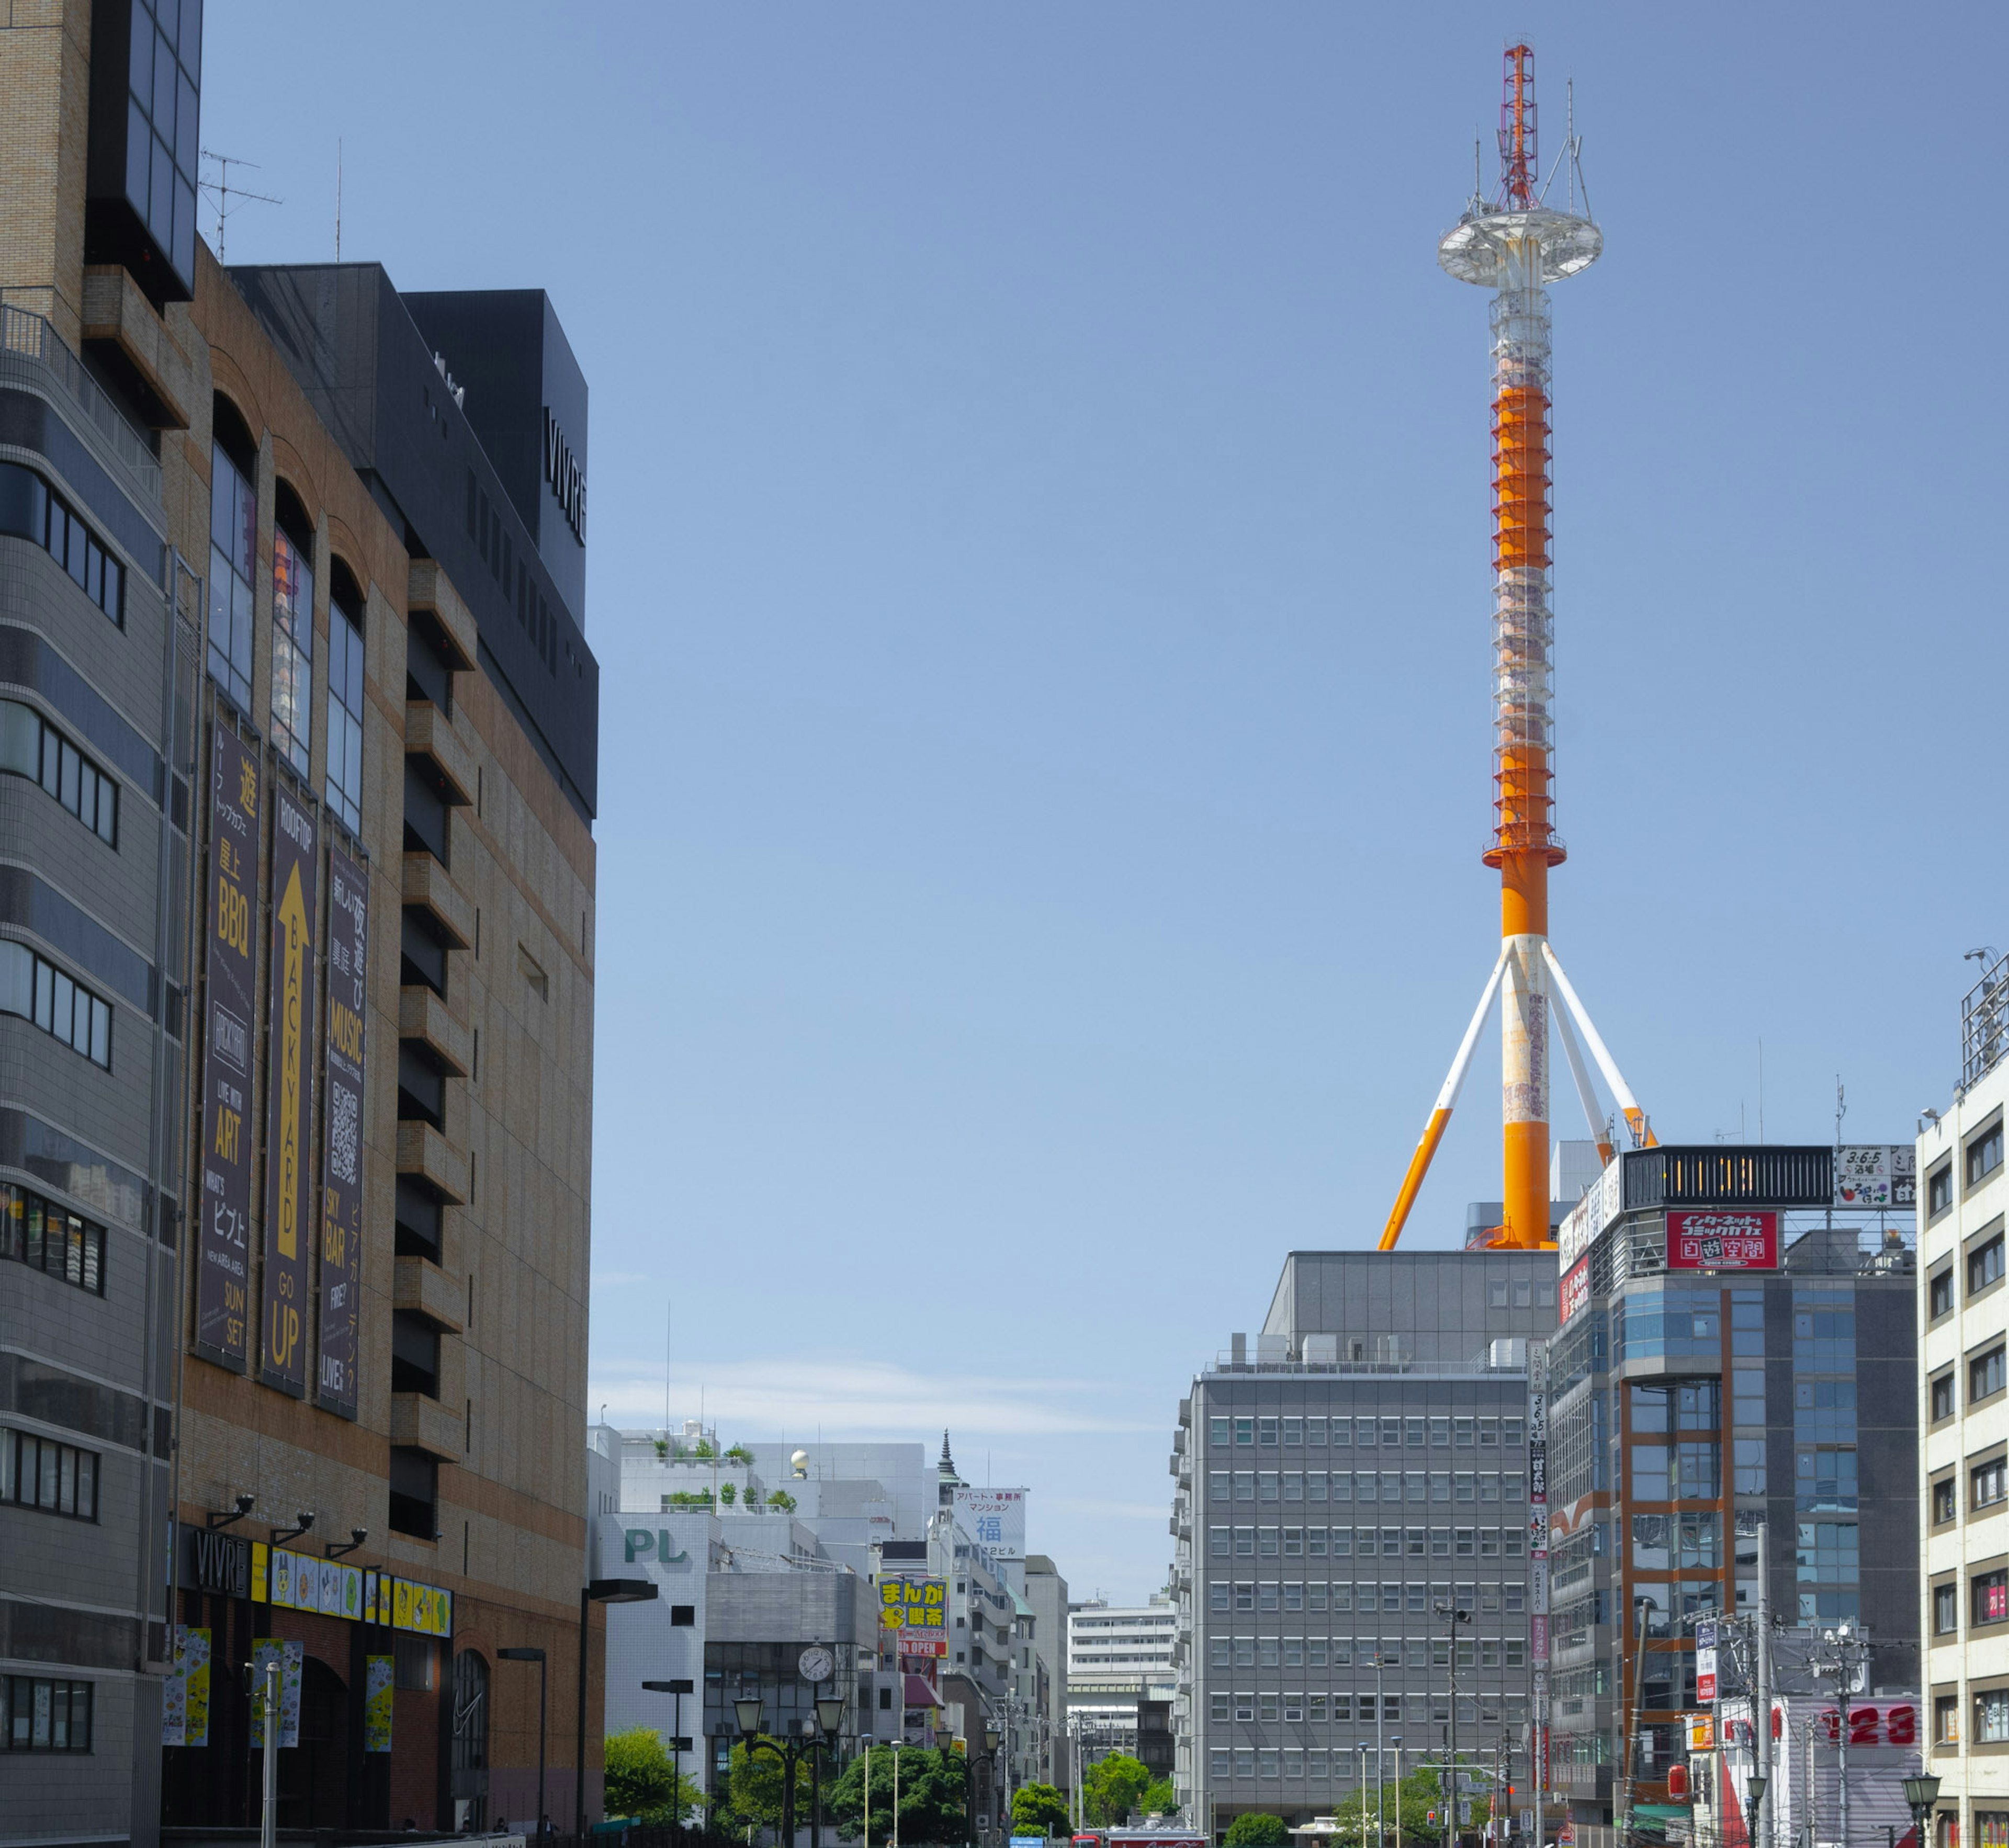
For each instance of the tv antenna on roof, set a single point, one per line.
(223, 192)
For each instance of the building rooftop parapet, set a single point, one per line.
(32, 352)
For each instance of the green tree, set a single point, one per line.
(1418, 1797)
(782, 1500)
(1160, 1799)
(1039, 1809)
(1258, 1829)
(934, 1796)
(754, 1786)
(642, 1780)
(1110, 1788)
(728, 1494)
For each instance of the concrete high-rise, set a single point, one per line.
(295, 993)
(1349, 1481)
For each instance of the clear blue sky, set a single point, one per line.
(1040, 573)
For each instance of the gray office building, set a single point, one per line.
(1351, 1473)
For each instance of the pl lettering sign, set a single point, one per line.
(1709, 1240)
(1576, 1287)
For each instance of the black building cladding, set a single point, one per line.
(527, 398)
(358, 353)
(146, 138)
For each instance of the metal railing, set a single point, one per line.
(26, 340)
(1984, 1022)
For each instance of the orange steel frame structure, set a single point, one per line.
(1516, 243)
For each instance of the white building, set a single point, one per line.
(1123, 1640)
(1964, 1510)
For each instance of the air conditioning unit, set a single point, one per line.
(1319, 1350)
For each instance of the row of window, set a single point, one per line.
(38, 1472)
(1460, 1433)
(50, 1238)
(39, 1714)
(1365, 1485)
(31, 747)
(1293, 1707)
(1317, 1595)
(1988, 1487)
(1988, 1602)
(1983, 1157)
(30, 509)
(1987, 1373)
(1991, 1727)
(1283, 1762)
(39, 991)
(233, 555)
(1361, 1543)
(1984, 1270)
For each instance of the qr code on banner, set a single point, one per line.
(341, 1133)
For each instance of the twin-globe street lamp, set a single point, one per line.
(751, 1713)
(1921, 1792)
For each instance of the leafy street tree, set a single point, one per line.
(1160, 1799)
(754, 1788)
(1110, 1788)
(642, 1779)
(934, 1796)
(1419, 1797)
(1258, 1830)
(1039, 1809)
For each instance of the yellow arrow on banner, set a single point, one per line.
(293, 915)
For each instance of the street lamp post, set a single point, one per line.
(544, 1671)
(679, 1745)
(897, 1743)
(1642, 1603)
(788, 1753)
(992, 1738)
(598, 1590)
(1754, 1788)
(1452, 1617)
(1920, 1792)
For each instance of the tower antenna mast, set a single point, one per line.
(1516, 245)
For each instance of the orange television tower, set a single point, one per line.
(1515, 243)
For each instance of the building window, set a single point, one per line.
(31, 747)
(59, 1478)
(1293, 1432)
(1991, 1720)
(40, 1715)
(1217, 1709)
(1985, 1375)
(1939, 1191)
(1991, 1828)
(1216, 1431)
(41, 992)
(1984, 1155)
(414, 1493)
(30, 509)
(1217, 1763)
(293, 634)
(1991, 1484)
(51, 1239)
(1747, 1456)
(345, 715)
(1245, 1431)
(1940, 1296)
(1984, 1265)
(1942, 1397)
(1946, 1720)
(1945, 1829)
(233, 549)
(1942, 1501)
(1991, 1603)
(1946, 1610)
(1217, 1542)
(1266, 1433)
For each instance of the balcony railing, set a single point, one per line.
(31, 349)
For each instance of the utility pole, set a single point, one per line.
(1453, 1616)
(1761, 1739)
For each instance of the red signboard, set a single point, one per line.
(1714, 1240)
(1576, 1287)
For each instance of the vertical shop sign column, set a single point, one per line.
(223, 1268)
(289, 1084)
(341, 1131)
(1538, 1567)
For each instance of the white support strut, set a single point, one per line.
(1586, 1095)
(1455, 1082)
(1599, 1050)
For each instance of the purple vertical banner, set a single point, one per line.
(341, 1131)
(223, 1239)
(288, 1086)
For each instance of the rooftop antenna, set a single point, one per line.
(1840, 1108)
(338, 199)
(223, 192)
